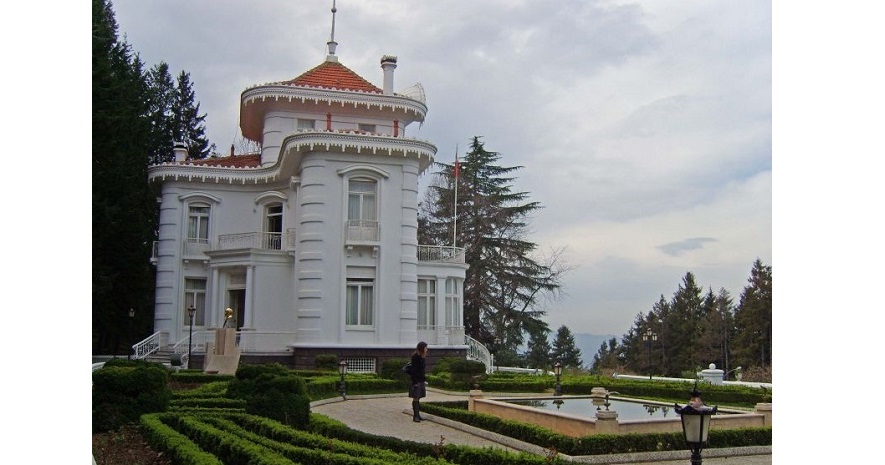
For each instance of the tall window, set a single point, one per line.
(198, 224)
(453, 303)
(361, 200)
(195, 295)
(360, 298)
(273, 226)
(426, 303)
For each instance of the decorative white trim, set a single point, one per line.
(294, 144)
(277, 92)
(270, 195)
(191, 196)
(362, 167)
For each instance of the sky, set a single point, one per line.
(644, 129)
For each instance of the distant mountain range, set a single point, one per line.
(589, 345)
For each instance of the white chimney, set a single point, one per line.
(180, 151)
(388, 64)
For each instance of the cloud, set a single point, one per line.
(680, 247)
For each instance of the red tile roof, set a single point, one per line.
(334, 75)
(252, 160)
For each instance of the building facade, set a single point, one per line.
(312, 241)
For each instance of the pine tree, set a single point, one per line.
(188, 123)
(162, 98)
(123, 206)
(687, 310)
(752, 342)
(565, 350)
(506, 286)
(716, 329)
(607, 358)
(538, 350)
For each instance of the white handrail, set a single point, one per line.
(149, 345)
(477, 351)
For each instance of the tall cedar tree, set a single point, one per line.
(504, 288)
(565, 350)
(752, 319)
(123, 206)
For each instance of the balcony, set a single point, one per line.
(362, 231)
(255, 240)
(440, 254)
(441, 335)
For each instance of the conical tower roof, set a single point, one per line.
(333, 75)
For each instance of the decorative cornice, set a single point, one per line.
(292, 146)
(356, 98)
(345, 140)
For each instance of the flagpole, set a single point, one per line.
(456, 169)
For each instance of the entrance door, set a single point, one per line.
(237, 301)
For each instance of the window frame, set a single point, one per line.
(195, 296)
(427, 304)
(365, 307)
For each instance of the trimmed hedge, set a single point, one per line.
(593, 444)
(121, 394)
(272, 391)
(178, 447)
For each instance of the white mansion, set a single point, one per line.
(312, 242)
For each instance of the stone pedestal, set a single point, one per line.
(607, 422)
(764, 408)
(224, 358)
(474, 394)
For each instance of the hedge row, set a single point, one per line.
(282, 438)
(594, 444)
(176, 446)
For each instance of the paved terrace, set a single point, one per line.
(391, 415)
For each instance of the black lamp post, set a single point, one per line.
(129, 333)
(696, 424)
(649, 337)
(557, 370)
(342, 387)
(191, 312)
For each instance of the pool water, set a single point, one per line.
(583, 406)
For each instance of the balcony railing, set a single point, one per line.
(441, 335)
(362, 230)
(443, 254)
(195, 247)
(251, 240)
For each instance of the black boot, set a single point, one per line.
(416, 417)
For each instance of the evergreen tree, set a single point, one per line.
(188, 123)
(717, 329)
(538, 350)
(565, 350)
(505, 287)
(608, 358)
(752, 342)
(687, 310)
(162, 98)
(123, 206)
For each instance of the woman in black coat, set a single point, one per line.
(417, 390)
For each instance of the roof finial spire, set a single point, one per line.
(331, 43)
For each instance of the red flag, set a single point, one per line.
(457, 166)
